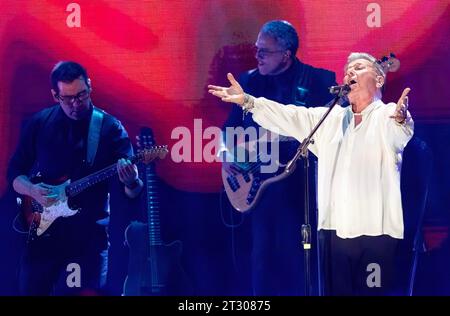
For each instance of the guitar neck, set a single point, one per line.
(82, 184)
(282, 138)
(154, 222)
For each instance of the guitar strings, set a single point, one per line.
(255, 165)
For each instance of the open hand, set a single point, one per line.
(233, 93)
(402, 106)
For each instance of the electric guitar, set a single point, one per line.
(245, 181)
(38, 218)
(154, 267)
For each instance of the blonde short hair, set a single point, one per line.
(373, 60)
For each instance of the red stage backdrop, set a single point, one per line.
(150, 61)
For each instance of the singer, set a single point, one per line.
(276, 261)
(359, 149)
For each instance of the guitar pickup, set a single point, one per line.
(233, 183)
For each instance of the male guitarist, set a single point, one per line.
(63, 142)
(277, 258)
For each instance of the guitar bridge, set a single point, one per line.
(253, 190)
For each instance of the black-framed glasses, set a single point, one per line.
(263, 52)
(70, 99)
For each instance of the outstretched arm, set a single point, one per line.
(286, 120)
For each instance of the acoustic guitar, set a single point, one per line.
(154, 267)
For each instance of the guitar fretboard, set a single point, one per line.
(154, 222)
(82, 184)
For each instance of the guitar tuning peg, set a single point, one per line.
(389, 64)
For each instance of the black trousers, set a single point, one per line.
(278, 267)
(57, 264)
(363, 265)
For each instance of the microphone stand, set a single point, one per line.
(302, 151)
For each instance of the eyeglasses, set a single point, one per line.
(263, 53)
(70, 99)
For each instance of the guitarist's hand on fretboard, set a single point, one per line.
(127, 171)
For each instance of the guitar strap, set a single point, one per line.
(94, 135)
(302, 83)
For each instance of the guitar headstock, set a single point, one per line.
(147, 151)
(147, 155)
(389, 63)
(145, 139)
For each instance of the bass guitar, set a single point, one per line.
(246, 180)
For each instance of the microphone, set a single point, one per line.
(345, 88)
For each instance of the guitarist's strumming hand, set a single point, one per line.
(43, 194)
(233, 93)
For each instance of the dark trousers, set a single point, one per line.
(278, 267)
(363, 265)
(52, 265)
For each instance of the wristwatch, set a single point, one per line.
(133, 185)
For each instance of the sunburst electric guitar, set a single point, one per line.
(37, 218)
